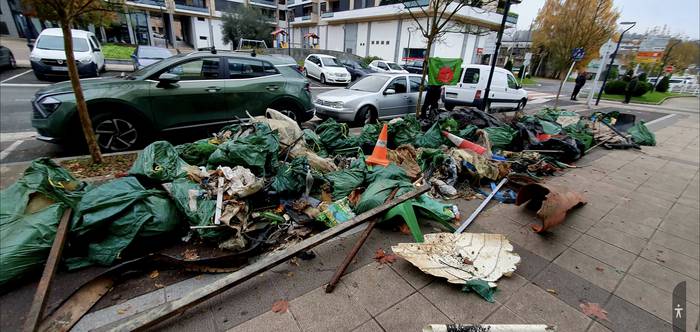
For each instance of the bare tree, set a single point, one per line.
(438, 21)
(68, 13)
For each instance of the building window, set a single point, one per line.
(282, 15)
(387, 42)
(201, 19)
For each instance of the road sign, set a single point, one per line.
(668, 69)
(527, 59)
(577, 54)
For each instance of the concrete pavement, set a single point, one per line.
(635, 240)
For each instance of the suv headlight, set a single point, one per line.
(34, 58)
(49, 104)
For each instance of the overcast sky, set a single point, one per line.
(681, 16)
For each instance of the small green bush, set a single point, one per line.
(614, 73)
(616, 87)
(642, 88)
(642, 77)
(663, 84)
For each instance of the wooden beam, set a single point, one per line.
(158, 314)
(42, 290)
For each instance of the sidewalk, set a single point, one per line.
(626, 250)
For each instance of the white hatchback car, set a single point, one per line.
(383, 66)
(326, 69)
(48, 57)
(506, 93)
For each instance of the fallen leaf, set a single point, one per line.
(154, 274)
(600, 269)
(280, 306)
(190, 254)
(383, 258)
(404, 229)
(594, 309)
(552, 291)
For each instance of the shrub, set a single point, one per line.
(616, 87)
(366, 60)
(663, 84)
(642, 88)
(642, 77)
(614, 73)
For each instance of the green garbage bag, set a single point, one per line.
(368, 135)
(116, 213)
(404, 131)
(314, 143)
(159, 161)
(390, 172)
(344, 181)
(257, 151)
(30, 210)
(334, 136)
(579, 132)
(468, 133)
(641, 134)
(291, 177)
(196, 153)
(378, 192)
(500, 137)
(431, 138)
(430, 157)
(199, 210)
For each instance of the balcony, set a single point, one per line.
(264, 2)
(416, 3)
(306, 19)
(191, 5)
(155, 3)
(328, 14)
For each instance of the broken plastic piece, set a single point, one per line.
(551, 203)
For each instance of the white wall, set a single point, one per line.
(322, 35)
(469, 51)
(450, 46)
(417, 40)
(361, 48)
(200, 29)
(336, 37)
(219, 36)
(383, 32)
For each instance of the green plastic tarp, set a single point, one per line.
(30, 210)
(159, 161)
(548, 127)
(291, 177)
(500, 137)
(116, 213)
(199, 212)
(334, 135)
(390, 172)
(430, 157)
(641, 134)
(432, 138)
(344, 181)
(257, 151)
(404, 131)
(196, 153)
(314, 143)
(480, 287)
(378, 192)
(443, 71)
(579, 132)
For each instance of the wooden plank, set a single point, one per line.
(77, 305)
(158, 314)
(219, 201)
(36, 311)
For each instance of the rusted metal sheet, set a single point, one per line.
(77, 305)
(551, 203)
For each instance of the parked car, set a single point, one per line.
(372, 97)
(506, 93)
(357, 69)
(146, 55)
(48, 57)
(414, 66)
(326, 69)
(7, 59)
(383, 66)
(288, 61)
(199, 89)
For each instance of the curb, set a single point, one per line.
(87, 156)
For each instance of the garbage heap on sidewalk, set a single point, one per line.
(262, 185)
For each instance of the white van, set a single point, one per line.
(506, 92)
(48, 57)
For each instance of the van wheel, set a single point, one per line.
(118, 132)
(521, 105)
(449, 107)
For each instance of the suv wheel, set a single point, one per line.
(116, 133)
(323, 79)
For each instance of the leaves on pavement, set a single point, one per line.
(190, 254)
(280, 306)
(383, 258)
(154, 274)
(594, 309)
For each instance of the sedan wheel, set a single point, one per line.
(323, 79)
(116, 134)
(13, 62)
(306, 73)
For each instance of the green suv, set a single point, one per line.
(185, 91)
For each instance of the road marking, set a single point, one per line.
(9, 149)
(18, 75)
(663, 118)
(22, 135)
(23, 85)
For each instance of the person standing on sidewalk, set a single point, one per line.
(631, 86)
(432, 97)
(580, 82)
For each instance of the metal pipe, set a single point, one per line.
(612, 60)
(481, 207)
(494, 57)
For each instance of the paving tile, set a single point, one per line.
(677, 244)
(596, 327)
(589, 268)
(631, 225)
(199, 319)
(604, 252)
(413, 275)
(675, 261)
(537, 306)
(645, 296)
(503, 315)
(463, 307)
(579, 222)
(376, 287)
(617, 238)
(269, 322)
(547, 245)
(333, 253)
(641, 211)
(411, 314)
(569, 287)
(689, 230)
(318, 311)
(625, 316)
(653, 197)
(369, 326)
(664, 278)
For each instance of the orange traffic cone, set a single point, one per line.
(462, 143)
(378, 156)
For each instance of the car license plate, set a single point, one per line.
(59, 68)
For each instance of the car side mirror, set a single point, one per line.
(389, 91)
(166, 79)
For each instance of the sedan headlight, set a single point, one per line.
(34, 58)
(336, 104)
(49, 104)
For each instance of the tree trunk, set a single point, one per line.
(423, 73)
(85, 121)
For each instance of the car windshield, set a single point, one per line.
(369, 83)
(56, 43)
(154, 53)
(394, 66)
(331, 62)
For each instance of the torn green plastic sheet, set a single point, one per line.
(500, 137)
(404, 131)
(430, 139)
(344, 181)
(548, 127)
(116, 213)
(30, 210)
(159, 161)
(291, 177)
(314, 143)
(378, 192)
(579, 132)
(430, 157)
(480, 287)
(442, 213)
(390, 172)
(257, 151)
(196, 153)
(334, 136)
(641, 134)
(200, 212)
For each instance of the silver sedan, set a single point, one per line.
(374, 96)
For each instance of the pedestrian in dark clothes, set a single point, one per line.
(432, 97)
(631, 86)
(580, 82)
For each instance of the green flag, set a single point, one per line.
(443, 71)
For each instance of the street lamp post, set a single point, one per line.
(487, 91)
(612, 59)
(410, 33)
